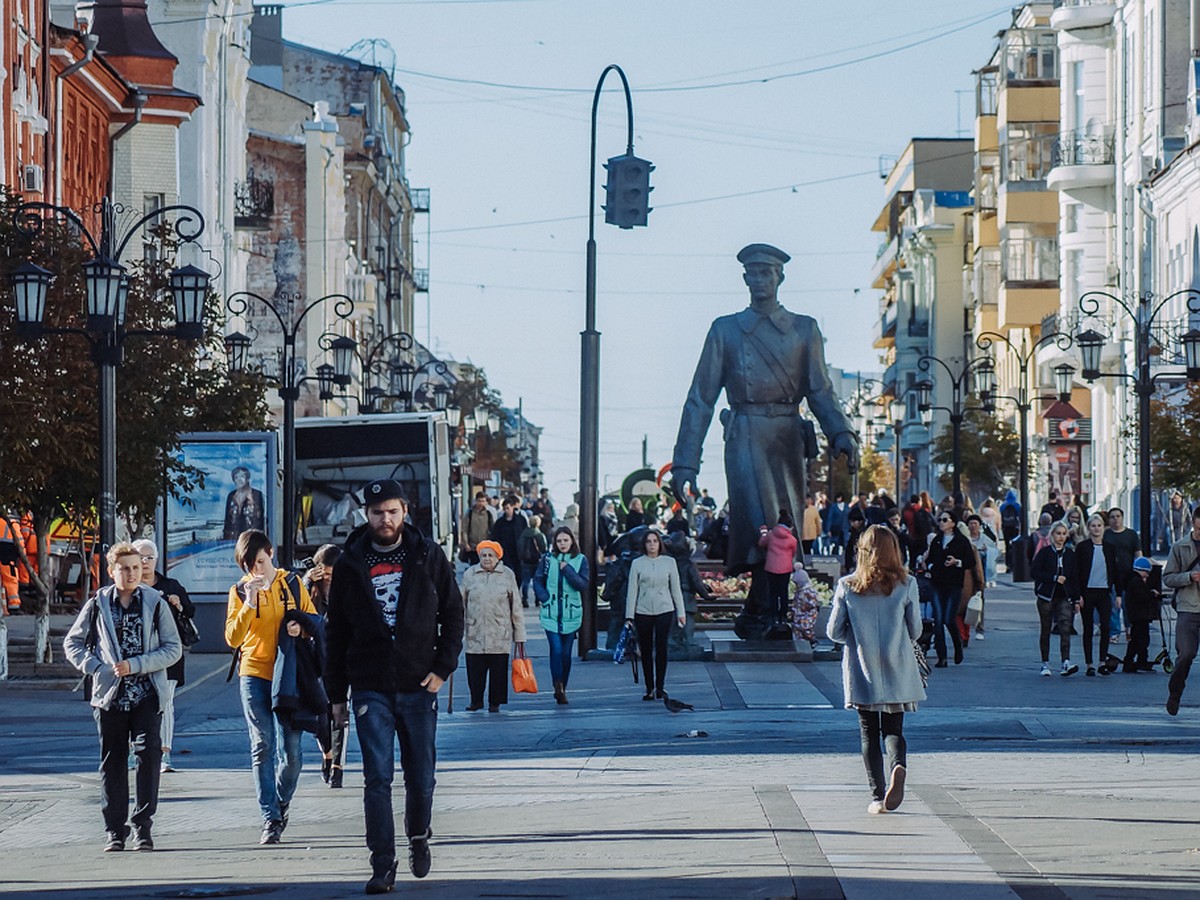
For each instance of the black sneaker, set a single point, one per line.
(418, 855)
(382, 882)
(271, 833)
(114, 842)
(335, 777)
(141, 838)
(1172, 705)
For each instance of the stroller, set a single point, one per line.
(1166, 625)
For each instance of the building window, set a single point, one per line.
(1070, 218)
(1028, 149)
(1030, 55)
(986, 81)
(1029, 253)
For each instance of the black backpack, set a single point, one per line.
(527, 549)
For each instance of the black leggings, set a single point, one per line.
(1060, 612)
(777, 586)
(652, 632)
(872, 727)
(1098, 601)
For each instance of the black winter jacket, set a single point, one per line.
(1045, 572)
(949, 577)
(361, 653)
(1083, 562)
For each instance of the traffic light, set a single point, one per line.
(627, 191)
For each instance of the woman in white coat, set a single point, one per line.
(493, 623)
(652, 600)
(876, 614)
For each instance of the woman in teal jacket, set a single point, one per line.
(561, 579)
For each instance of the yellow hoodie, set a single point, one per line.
(256, 629)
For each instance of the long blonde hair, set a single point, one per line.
(880, 566)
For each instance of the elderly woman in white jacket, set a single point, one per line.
(493, 623)
(652, 599)
(876, 614)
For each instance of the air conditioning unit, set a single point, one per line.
(31, 179)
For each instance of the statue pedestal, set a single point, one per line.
(762, 651)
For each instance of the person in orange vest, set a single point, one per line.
(31, 553)
(10, 584)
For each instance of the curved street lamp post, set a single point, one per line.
(1091, 346)
(957, 410)
(290, 380)
(628, 194)
(1023, 400)
(106, 283)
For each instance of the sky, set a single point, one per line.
(767, 121)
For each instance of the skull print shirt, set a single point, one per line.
(387, 573)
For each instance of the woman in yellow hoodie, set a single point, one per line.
(252, 621)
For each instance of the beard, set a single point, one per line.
(385, 535)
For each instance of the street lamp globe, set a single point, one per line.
(926, 415)
(453, 416)
(237, 347)
(343, 359)
(896, 408)
(103, 279)
(1191, 354)
(30, 283)
(493, 422)
(1091, 345)
(469, 422)
(1064, 375)
(326, 376)
(985, 379)
(402, 382)
(924, 397)
(441, 395)
(189, 288)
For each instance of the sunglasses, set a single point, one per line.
(945, 519)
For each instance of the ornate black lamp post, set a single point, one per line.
(1145, 309)
(290, 379)
(106, 284)
(628, 195)
(957, 410)
(853, 407)
(1023, 400)
(400, 375)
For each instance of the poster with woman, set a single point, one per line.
(232, 491)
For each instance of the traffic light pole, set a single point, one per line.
(589, 393)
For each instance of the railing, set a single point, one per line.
(1078, 148)
(1032, 259)
(420, 199)
(253, 202)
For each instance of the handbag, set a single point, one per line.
(523, 680)
(923, 668)
(189, 634)
(974, 610)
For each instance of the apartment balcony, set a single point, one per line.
(421, 280)
(885, 329)
(420, 200)
(253, 202)
(1081, 160)
(1069, 15)
(889, 379)
(885, 263)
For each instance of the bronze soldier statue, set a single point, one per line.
(768, 361)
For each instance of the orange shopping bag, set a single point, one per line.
(523, 681)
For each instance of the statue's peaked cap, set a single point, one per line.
(762, 253)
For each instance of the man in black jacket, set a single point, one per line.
(394, 633)
(507, 531)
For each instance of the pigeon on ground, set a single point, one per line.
(676, 705)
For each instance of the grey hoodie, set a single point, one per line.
(159, 636)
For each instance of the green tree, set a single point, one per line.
(49, 445)
(991, 455)
(1175, 441)
(876, 471)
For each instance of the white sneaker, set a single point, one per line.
(1045, 673)
(979, 635)
(1068, 668)
(876, 807)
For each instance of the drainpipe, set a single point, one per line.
(138, 99)
(90, 41)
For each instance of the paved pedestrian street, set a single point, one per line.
(1019, 786)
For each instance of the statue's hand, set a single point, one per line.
(681, 478)
(845, 444)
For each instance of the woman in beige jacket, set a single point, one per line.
(652, 600)
(494, 621)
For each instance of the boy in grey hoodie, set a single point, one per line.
(125, 638)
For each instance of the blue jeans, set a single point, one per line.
(560, 655)
(274, 749)
(945, 609)
(379, 720)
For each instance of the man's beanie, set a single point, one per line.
(382, 490)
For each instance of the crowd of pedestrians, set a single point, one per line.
(379, 624)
